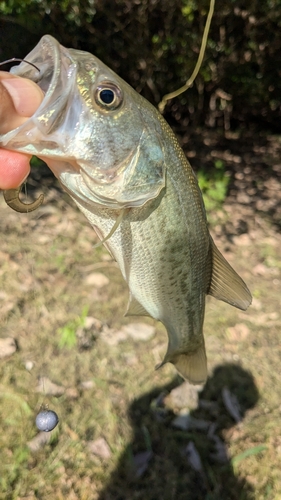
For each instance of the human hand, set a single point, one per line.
(19, 99)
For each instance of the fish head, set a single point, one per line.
(100, 138)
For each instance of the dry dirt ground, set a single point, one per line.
(127, 431)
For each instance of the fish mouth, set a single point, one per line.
(54, 76)
(58, 132)
(44, 134)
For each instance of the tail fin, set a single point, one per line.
(191, 366)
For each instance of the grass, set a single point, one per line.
(45, 259)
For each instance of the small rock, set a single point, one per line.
(139, 331)
(184, 396)
(97, 279)
(29, 365)
(8, 347)
(91, 322)
(87, 384)
(46, 386)
(99, 448)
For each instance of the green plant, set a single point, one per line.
(67, 332)
(214, 185)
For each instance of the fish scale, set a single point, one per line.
(123, 166)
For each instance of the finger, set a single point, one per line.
(19, 99)
(14, 168)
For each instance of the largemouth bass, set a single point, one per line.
(121, 163)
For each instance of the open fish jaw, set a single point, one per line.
(69, 126)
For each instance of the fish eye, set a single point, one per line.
(108, 96)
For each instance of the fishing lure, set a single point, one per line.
(11, 196)
(46, 420)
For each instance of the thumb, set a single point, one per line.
(19, 99)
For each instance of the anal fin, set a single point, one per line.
(134, 308)
(226, 284)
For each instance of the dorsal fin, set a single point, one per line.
(226, 284)
(134, 308)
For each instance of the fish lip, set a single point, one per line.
(47, 47)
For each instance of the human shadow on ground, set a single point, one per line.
(169, 463)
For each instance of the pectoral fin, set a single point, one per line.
(192, 366)
(134, 308)
(226, 284)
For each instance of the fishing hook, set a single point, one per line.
(11, 196)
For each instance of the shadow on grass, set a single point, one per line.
(166, 472)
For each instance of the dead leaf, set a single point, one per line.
(238, 332)
(113, 337)
(97, 279)
(72, 393)
(220, 455)
(193, 457)
(231, 404)
(182, 421)
(141, 461)
(46, 386)
(39, 441)
(99, 448)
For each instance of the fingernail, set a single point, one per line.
(11, 86)
(25, 94)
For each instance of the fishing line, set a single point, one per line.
(13, 59)
(176, 93)
(46, 420)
